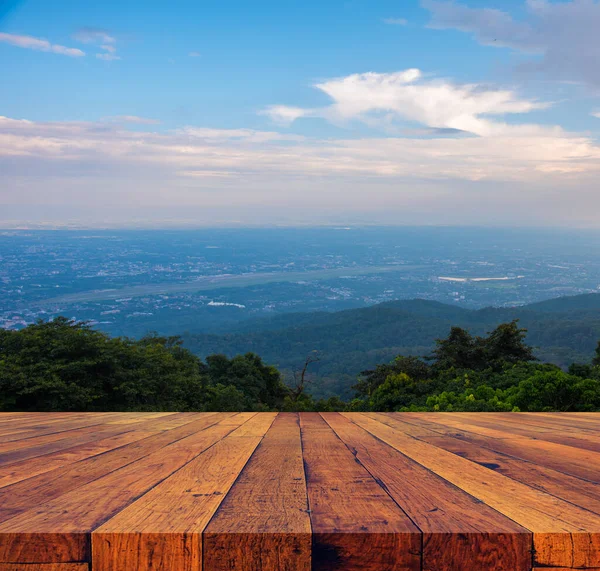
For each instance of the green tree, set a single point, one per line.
(414, 367)
(399, 391)
(62, 365)
(460, 350)
(261, 385)
(506, 344)
(223, 398)
(556, 391)
(596, 360)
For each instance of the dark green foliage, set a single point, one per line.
(63, 365)
(596, 360)
(561, 331)
(493, 373)
(414, 367)
(556, 391)
(505, 344)
(67, 366)
(460, 350)
(259, 384)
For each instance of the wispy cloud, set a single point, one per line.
(134, 119)
(484, 179)
(89, 35)
(195, 54)
(389, 100)
(101, 38)
(245, 135)
(108, 57)
(596, 114)
(284, 114)
(564, 34)
(395, 21)
(39, 44)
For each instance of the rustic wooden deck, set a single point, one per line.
(225, 491)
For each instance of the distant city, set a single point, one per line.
(132, 282)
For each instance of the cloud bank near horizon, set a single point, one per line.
(540, 174)
(412, 145)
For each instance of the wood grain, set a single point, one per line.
(299, 492)
(151, 533)
(263, 523)
(458, 530)
(31, 536)
(355, 523)
(563, 534)
(575, 490)
(44, 567)
(28, 493)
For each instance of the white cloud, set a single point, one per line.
(547, 172)
(108, 57)
(563, 34)
(39, 44)
(247, 135)
(101, 38)
(285, 115)
(133, 119)
(386, 99)
(596, 114)
(195, 54)
(94, 36)
(396, 21)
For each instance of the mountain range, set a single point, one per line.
(562, 330)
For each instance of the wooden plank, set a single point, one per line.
(459, 532)
(16, 430)
(44, 567)
(570, 488)
(52, 427)
(574, 490)
(586, 440)
(56, 423)
(134, 417)
(563, 423)
(48, 438)
(162, 529)
(564, 458)
(572, 417)
(39, 418)
(27, 494)
(263, 522)
(535, 421)
(118, 436)
(355, 523)
(25, 420)
(69, 439)
(564, 534)
(60, 440)
(59, 530)
(42, 464)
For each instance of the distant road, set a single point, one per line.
(222, 281)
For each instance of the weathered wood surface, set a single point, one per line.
(299, 492)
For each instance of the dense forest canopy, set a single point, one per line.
(63, 365)
(561, 331)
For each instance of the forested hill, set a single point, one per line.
(562, 330)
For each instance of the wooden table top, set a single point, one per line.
(268, 491)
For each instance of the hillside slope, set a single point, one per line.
(563, 330)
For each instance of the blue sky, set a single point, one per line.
(305, 112)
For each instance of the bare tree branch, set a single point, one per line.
(300, 379)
